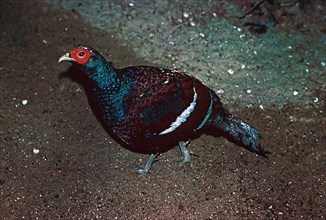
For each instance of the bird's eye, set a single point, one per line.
(80, 55)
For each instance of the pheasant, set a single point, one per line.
(150, 110)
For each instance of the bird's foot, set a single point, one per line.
(148, 165)
(184, 151)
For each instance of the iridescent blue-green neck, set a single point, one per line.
(102, 74)
(110, 88)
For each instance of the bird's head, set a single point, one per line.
(80, 55)
(84, 57)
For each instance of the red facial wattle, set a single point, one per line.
(80, 55)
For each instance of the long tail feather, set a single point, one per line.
(240, 131)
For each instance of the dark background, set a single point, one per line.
(56, 161)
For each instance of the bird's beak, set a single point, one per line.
(66, 57)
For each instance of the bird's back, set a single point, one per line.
(161, 108)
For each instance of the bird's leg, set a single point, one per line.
(184, 151)
(148, 165)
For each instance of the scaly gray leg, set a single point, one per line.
(184, 151)
(148, 165)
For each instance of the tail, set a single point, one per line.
(240, 132)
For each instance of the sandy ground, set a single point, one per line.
(57, 162)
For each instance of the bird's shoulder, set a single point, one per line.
(153, 85)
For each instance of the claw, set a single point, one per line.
(148, 165)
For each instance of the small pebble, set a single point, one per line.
(24, 102)
(36, 151)
(220, 91)
(230, 71)
(185, 14)
(315, 100)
